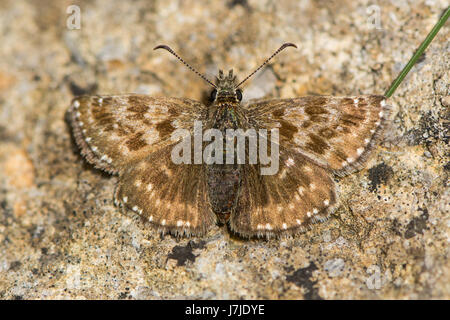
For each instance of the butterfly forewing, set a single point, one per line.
(112, 131)
(337, 133)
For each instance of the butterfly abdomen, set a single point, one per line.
(223, 188)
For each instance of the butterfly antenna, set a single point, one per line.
(284, 46)
(163, 46)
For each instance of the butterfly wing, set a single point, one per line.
(130, 135)
(337, 133)
(299, 194)
(172, 197)
(317, 135)
(114, 130)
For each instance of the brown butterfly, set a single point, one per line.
(319, 136)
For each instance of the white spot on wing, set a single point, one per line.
(290, 162)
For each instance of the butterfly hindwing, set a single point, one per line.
(172, 197)
(288, 202)
(337, 133)
(114, 130)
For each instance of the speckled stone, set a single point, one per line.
(62, 238)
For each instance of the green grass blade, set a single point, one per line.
(418, 53)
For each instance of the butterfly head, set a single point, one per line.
(225, 88)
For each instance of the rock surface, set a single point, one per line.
(61, 236)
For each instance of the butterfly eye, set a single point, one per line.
(213, 95)
(239, 94)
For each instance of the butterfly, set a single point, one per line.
(319, 137)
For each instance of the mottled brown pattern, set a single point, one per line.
(99, 114)
(173, 112)
(352, 119)
(121, 131)
(316, 109)
(346, 119)
(165, 128)
(107, 100)
(316, 101)
(137, 103)
(130, 136)
(347, 101)
(340, 154)
(105, 120)
(306, 124)
(136, 116)
(104, 124)
(315, 118)
(137, 108)
(327, 133)
(136, 142)
(317, 144)
(287, 129)
(278, 113)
